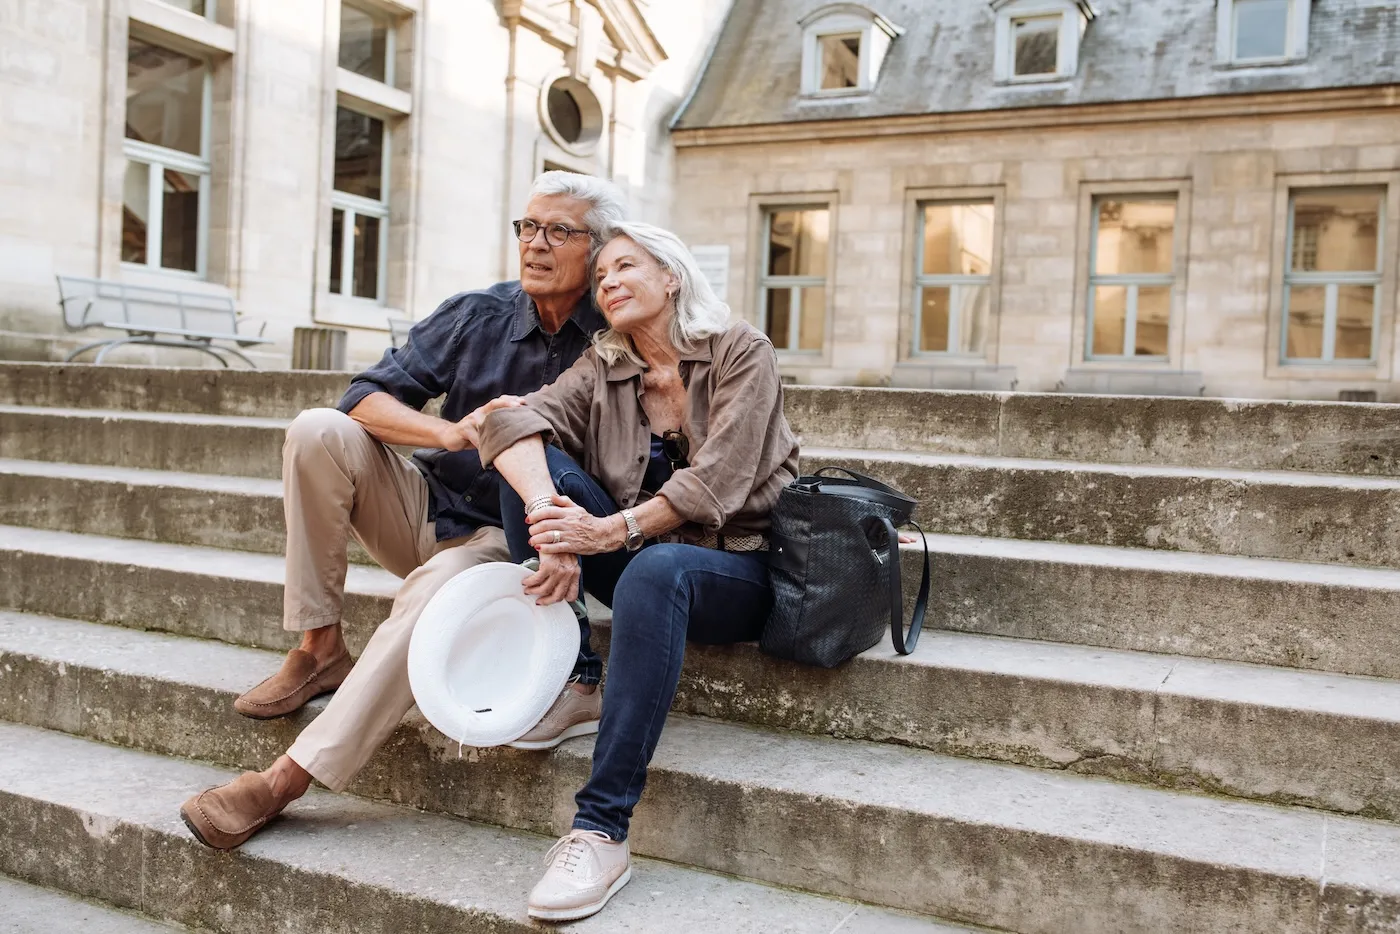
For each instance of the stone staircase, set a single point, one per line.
(1162, 695)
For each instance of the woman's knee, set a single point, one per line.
(657, 571)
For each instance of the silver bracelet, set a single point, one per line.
(538, 502)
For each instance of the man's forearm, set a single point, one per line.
(392, 422)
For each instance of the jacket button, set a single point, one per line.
(641, 458)
(468, 497)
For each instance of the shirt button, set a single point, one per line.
(468, 497)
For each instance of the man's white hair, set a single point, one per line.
(699, 313)
(608, 207)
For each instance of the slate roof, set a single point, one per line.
(1135, 50)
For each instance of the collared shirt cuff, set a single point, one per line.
(357, 393)
(693, 500)
(504, 427)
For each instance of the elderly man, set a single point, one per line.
(426, 519)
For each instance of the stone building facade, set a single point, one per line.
(1166, 196)
(323, 162)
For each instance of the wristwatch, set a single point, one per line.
(634, 531)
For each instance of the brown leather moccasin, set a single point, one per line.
(225, 816)
(296, 682)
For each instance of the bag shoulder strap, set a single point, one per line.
(902, 644)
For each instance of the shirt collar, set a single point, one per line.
(585, 317)
(625, 369)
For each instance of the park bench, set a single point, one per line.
(153, 317)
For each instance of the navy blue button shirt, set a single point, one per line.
(475, 347)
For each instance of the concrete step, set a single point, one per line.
(103, 822)
(1252, 610)
(241, 513)
(1279, 735)
(31, 909)
(1291, 515)
(1294, 516)
(1230, 433)
(208, 444)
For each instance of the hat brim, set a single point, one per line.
(485, 662)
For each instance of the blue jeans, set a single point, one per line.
(660, 596)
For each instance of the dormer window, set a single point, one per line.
(843, 47)
(840, 61)
(1262, 32)
(1038, 40)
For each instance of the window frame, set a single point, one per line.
(951, 281)
(1131, 281)
(1295, 43)
(1058, 70)
(844, 19)
(390, 23)
(1075, 16)
(767, 208)
(211, 10)
(353, 205)
(159, 158)
(1331, 282)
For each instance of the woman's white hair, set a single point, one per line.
(697, 311)
(607, 206)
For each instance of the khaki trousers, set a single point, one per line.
(339, 481)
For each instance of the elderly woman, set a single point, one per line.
(647, 472)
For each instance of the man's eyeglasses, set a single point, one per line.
(675, 446)
(554, 234)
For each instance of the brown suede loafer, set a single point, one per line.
(296, 682)
(225, 816)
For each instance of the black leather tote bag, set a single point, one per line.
(834, 561)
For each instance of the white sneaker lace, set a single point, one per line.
(570, 848)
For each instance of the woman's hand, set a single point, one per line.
(579, 531)
(556, 580)
(467, 431)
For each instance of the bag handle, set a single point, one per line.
(867, 482)
(902, 645)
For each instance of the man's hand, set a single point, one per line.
(466, 433)
(556, 580)
(580, 532)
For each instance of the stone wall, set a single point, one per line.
(461, 160)
(1230, 177)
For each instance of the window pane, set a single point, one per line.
(958, 239)
(1356, 312)
(1336, 231)
(359, 154)
(564, 112)
(1134, 237)
(337, 249)
(196, 7)
(778, 315)
(179, 247)
(364, 43)
(811, 331)
(1154, 315)
(971, 305)
(797, 242)
(1307, 306)
(1037, 43)
(136, 206)
(1110, 320)
(840, 58)
(164, 97)
(933, 319)
(1261, 28)
(366, 271)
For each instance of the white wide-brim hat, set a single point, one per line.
(485, 662)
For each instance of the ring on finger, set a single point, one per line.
(558, 537)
